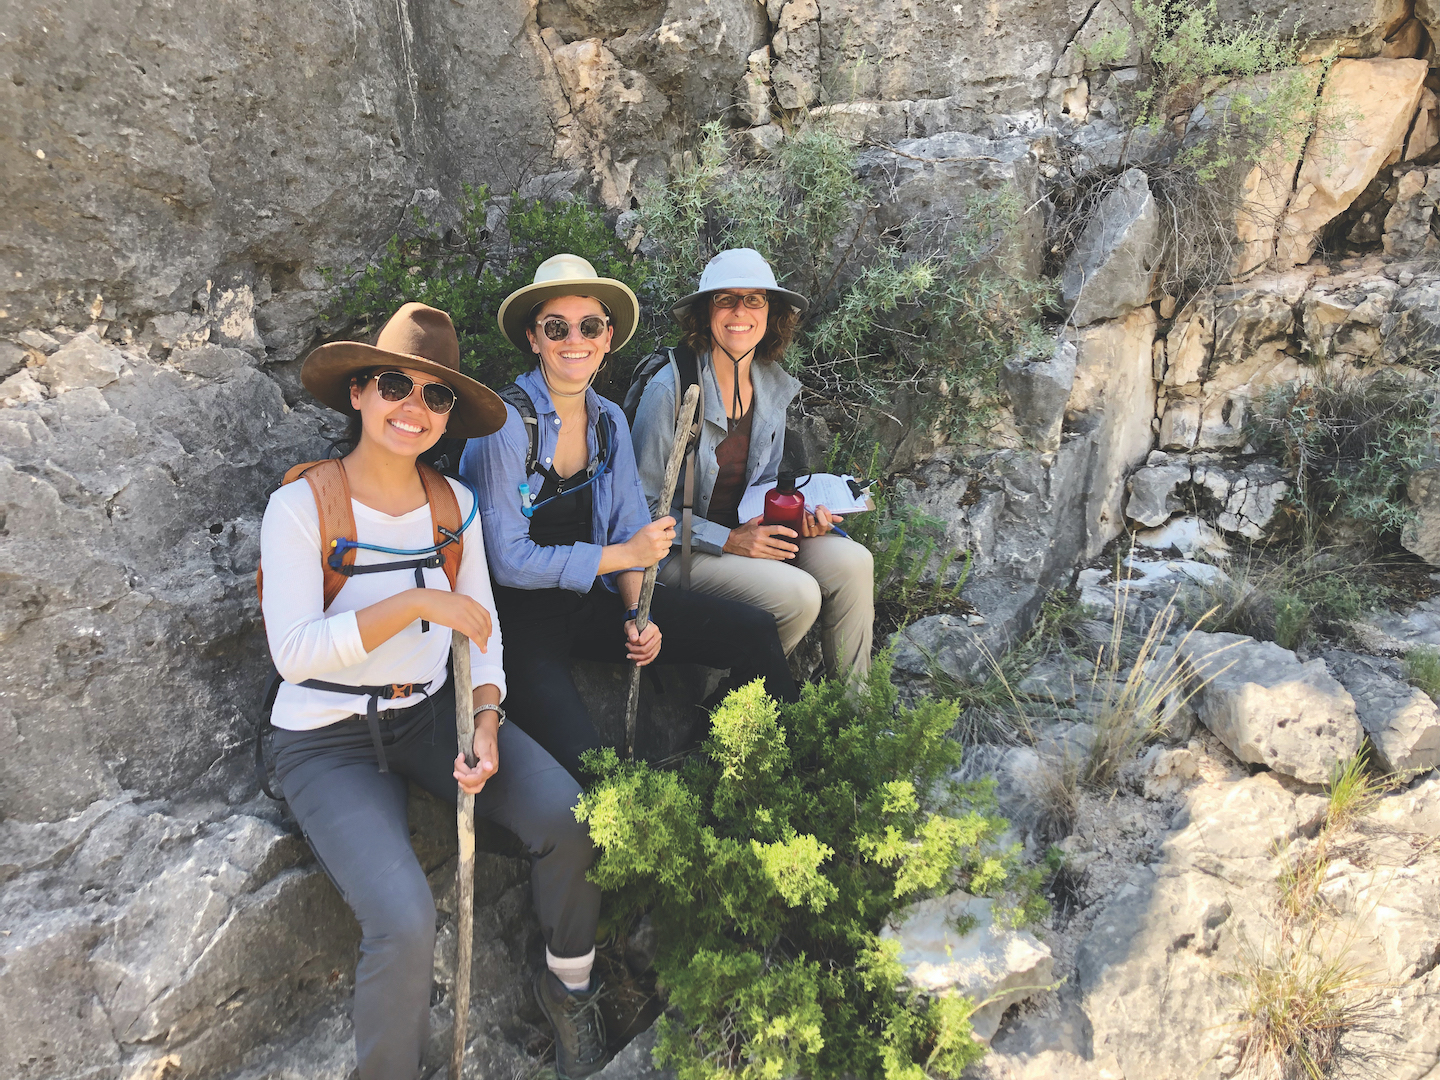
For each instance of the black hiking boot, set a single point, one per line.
(579, 1028)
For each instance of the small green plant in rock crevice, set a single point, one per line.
(1350, 445)
(770, 863)
(932, 305)
(468, 270)
(1422, 669)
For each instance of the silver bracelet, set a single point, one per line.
(499, 712)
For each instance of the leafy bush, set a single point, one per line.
(933, 306)
(768, 866)
(1351, 445)
(468, 270)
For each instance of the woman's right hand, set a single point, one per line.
(652, 543)
(455, 610)
(757, 541)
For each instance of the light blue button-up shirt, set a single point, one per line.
(495, 464)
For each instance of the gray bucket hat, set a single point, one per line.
(740, 268)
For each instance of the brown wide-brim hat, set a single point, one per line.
(417, 338)
(569, 275)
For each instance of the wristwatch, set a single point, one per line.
(496, 709)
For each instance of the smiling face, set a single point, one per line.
(569, 364)
(739, 329)
(405, 428)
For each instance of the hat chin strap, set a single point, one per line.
(736, 400)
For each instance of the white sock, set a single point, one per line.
(572, 971)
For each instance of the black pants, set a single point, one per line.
(544, 628)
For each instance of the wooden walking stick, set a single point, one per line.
(465, 871)
(647, 587)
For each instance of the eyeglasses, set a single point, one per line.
(592, 327)
(727, 300)
(397, 386)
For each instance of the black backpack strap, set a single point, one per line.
(262, 728)
(687, 374)
(515, 394)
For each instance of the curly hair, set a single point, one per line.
(694, 323)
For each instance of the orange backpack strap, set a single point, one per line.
(445, 513)
(337, 517)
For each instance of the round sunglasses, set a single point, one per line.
(397, 386)
(726, 300)
(558, 329)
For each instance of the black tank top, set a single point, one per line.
(565, 521)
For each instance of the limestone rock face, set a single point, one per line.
(1109, 273)
(944, 67)
(1384, 94)
(1114, 400)
(196, 144)
(139, 936)
(1422, 534)
(128, 627)
(953, 945)
(1270, 709)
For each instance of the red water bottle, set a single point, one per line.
(784, 505)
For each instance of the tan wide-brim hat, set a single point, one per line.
(569, 275)
(417, 338)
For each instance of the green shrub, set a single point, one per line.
(1350, 445)
(468, 270)
(932, 306)
(769, 864)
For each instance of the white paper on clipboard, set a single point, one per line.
(822, 489)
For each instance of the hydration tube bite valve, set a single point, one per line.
(527, 501)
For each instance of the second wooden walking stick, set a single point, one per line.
(465, 872)
(647, 587)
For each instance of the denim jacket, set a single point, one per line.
(495, 464)
(774, 389)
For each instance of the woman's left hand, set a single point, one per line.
(819, 523)
(642, 647)
(487, 755)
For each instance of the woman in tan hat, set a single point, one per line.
(341, 761)
(568, 528)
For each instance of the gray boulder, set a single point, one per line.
(1402, 721)
(1270, 709)
(1111, 269)
(954, 945)
(1151, 493)
(1038, 392)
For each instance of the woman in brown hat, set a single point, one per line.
(341, 761)
(568, 527)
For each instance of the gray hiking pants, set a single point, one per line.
(354, 817)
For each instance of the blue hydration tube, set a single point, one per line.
(343, 545)
(528, 506)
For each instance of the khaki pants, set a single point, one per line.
(832, 577)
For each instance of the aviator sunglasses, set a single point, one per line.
(755, 301)
(397, 386)
(558, 329)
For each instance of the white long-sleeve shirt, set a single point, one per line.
(307, 642)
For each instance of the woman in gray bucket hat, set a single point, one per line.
(738, 324)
